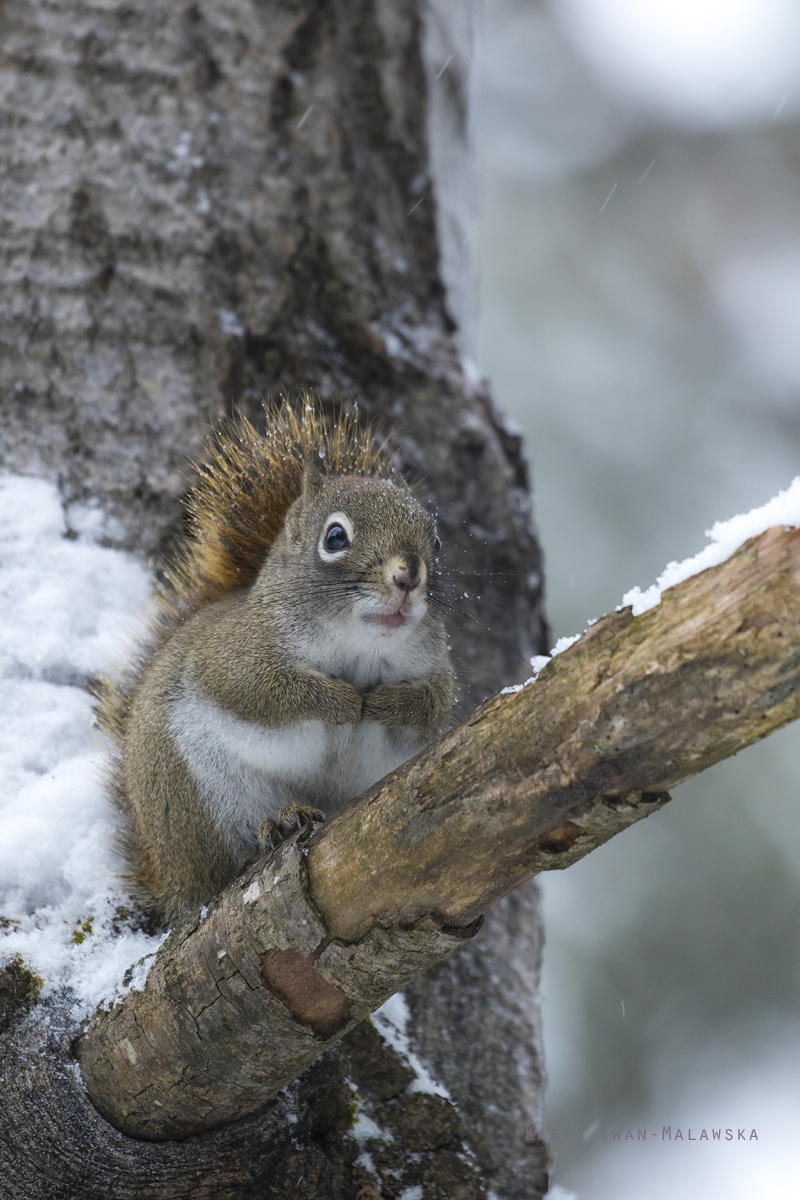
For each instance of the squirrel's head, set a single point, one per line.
(358, 551)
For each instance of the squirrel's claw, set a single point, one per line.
(291, 818)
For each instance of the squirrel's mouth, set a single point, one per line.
(390, 620)
(393, 618)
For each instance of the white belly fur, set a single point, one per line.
(247, 773)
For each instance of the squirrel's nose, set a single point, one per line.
(406, 581)
(407, 574)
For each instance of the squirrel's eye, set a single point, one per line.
(337, 535)
(437, 545)
(336, 539)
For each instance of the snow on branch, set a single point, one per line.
(726, 536)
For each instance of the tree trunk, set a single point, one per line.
(204, 203)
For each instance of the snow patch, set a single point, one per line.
(563, 644)
(70, 611)
(391, 1020)
(726, 537)
(366, 1160)
(413, 1192)
(367, 1130)
(230, 324)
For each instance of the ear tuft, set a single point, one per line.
(314, 477)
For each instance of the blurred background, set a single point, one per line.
(640, 320)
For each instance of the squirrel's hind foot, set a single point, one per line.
(291, 818)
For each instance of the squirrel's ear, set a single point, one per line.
(313, 478)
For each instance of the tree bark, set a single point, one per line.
(306, 945)
(203, 203)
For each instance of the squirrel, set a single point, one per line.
(297, 657)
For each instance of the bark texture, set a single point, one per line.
(203, 203)
(301, 1145)
(250, 991)
(294, 954)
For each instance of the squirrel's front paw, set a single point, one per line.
(291, 818)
